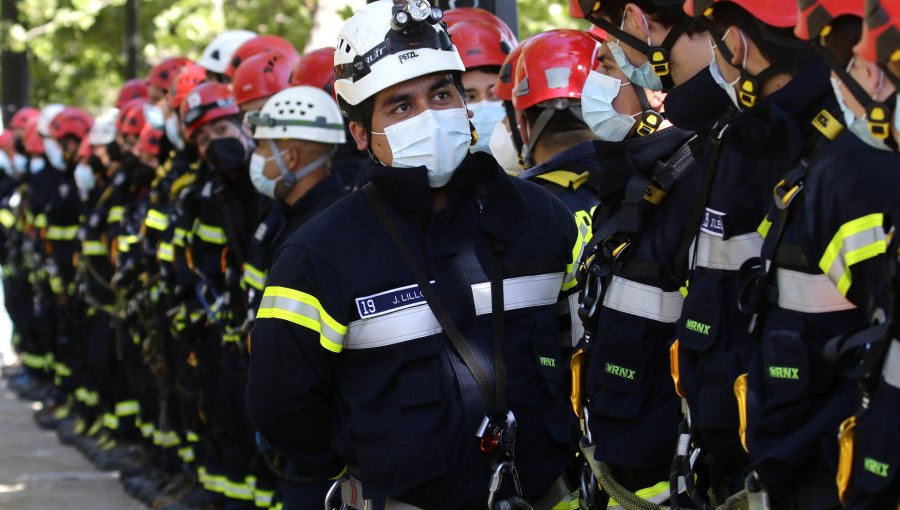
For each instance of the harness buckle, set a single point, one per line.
(784, 195)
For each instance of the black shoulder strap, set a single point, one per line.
(494, 396)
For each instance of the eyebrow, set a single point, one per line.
(604, 56)
(402, 97)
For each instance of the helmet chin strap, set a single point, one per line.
(290, 178)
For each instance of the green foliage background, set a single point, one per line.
(76, 48)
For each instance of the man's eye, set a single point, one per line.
(403, 108)
(442, 96)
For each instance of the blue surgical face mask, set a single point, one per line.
(597, 109)
(486, 115)
(642, 76)
(54, 152)
(727, 86)
(857, 126)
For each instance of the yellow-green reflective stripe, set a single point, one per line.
(156, 220)
(32, 360)
(856, 241)
(62, 233)
(147, 430)
(263, 499)
(178, 238)
(192, 437)
(254, 277)
(568, 504)
(209, 233)
(237, 490)
(304, 310)
(127, 408)
(62, 370)
(186, 454)
(56, 285)
(116, 214)
(231, 337)
(7, 218)
(40, 221)
(125, 242)
(764, 227)
(110, 421)
(165, 252)
(583, 222)
(93, 248)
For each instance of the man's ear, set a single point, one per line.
(737, 47)
(360, 135)
(635, 16)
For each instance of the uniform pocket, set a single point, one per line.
(876, 453)
(786, 365)
(617, 375)
(701, 314)
(391, 468)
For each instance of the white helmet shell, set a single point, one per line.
(48, 113)
(103, 131)
(217, 54)
(366, 31)
(300, 113)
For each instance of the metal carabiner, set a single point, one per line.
(508, 468)
(335, 489)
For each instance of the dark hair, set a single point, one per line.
(668, 15)
(561, 127)
(845, 33)
(764, 36)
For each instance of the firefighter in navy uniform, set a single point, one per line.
(558, 151)
(867, 468)
(291, 166)
(368, 364)
(227, 210)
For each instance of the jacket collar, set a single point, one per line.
(478, 178)
(578, 159)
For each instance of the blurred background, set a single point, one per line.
(79, 52)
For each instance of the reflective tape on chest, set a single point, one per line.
(713, 252)
(401, 315)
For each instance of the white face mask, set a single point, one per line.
(597, 108)
(5, 164)
(716, 72)
(266, 186)
(504, 150)
(857, 126)
(36, 165)
(487, 113)
(172, 132)
(435, 139)
(20, 163)
(54, 153)
(84, 179)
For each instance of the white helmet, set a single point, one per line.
(103, 131)
(381, 46)
(299, 113)
(48, 113)
(217, 54)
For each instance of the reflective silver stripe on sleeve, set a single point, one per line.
(392, 328)
(643, 300)
(726, 254)
(809, 293)
(521, 292)
(891, 370)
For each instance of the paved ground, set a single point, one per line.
(38, 473)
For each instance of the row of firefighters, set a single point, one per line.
(649, 265)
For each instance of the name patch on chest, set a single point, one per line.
(713, 222)
(389, 301)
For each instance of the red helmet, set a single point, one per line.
(316, 69)
(880, 42)
(777, 13)
(262, 76)
(131, 118)
(71, 122)
(162, 74)
(189, 77)
(815, 15)
(149, 140)
(480, 43)
(84, 148)
(206, 103)
(34, 144)
(554, 64)
(24, 117)
(132, 89)
(454, 16)
(503, 87)
(257, 45)
(7, 144)
(598, 33)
